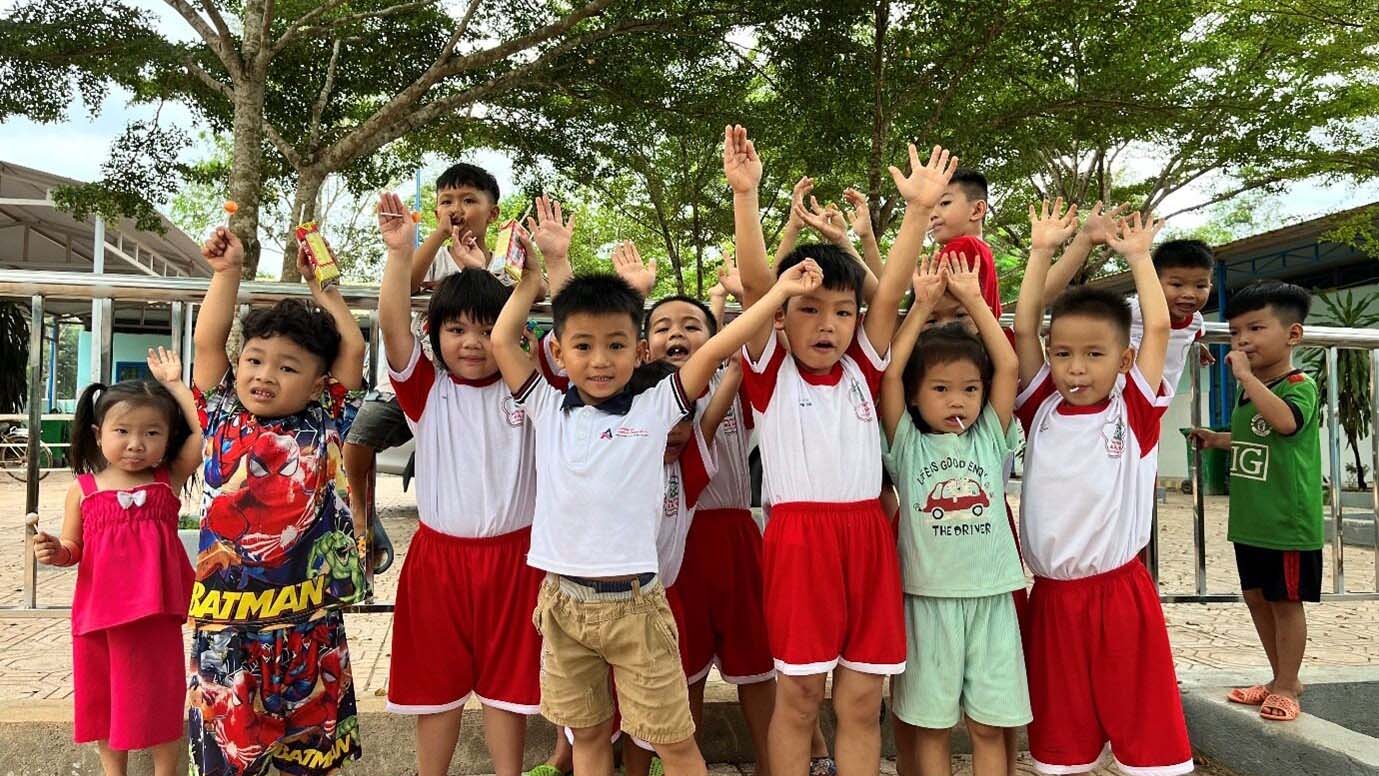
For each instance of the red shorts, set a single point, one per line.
(131, 684)
(833, 592)
(720, 590)
(463, 625)
(1101, 676)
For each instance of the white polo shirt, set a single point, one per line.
(818, 434)
(600, 477)
(1180, 340)
(686, 478)
(1088, 499)
(475, 462)
(731, 486)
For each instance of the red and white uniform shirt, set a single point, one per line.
(475, 462)
(818, 434)
(731, 486)
(1087, 504)
(1180, 340)
(686, 478)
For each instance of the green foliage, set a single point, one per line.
(14, 357)
(1352, 369)
(135, 176)
(1359, 230)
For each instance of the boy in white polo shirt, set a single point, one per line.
(1098, 659)
(460, 626)
(600, 488)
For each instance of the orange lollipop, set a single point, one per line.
(231, 206)
(416, 216)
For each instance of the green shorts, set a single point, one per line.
(964, 657)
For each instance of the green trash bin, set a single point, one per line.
(1215, 466)
(56, 434)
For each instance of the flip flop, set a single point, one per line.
(1249, 696)
(1279, 708)
(545, 769)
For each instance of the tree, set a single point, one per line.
(14, 354)
(1352, 372)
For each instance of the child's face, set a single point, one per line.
(1086, 355)
(949, 310)
(676, 330)
(1264, 338)
(466, 348)
(598, 352)
(950, 396)
(275, 376)
(1186, 289)
(678, 437)
(468, 207)
(133, 437)
(956, 215)
(819, 327)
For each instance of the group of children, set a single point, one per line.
(586, 547)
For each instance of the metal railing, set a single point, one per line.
(182, 293)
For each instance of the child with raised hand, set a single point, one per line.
(134, 445)
(465, 588)
(946, 406)
(1096, 648)
(833, 594)
(270, 680)
(828, 223)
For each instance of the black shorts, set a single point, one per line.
(380, 424)
(1282, 575)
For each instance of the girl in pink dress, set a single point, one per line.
(134, 444)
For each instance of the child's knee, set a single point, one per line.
(596, 735)
(857, 709)
(800, 696)
(1254, 598)
(984, 734)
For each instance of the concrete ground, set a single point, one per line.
(1216, 639)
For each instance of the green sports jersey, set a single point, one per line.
(1276, 480)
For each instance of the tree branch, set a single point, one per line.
(319, 108)
(294, 30)
(1230, 194)
(215, 85)
(348, 19)
(217, 44)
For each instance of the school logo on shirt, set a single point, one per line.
(513, 412)
(861, 402)
(1260, 426)
(1249, 461)
(1114, 433)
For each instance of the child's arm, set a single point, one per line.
(225, 253)
(921, 190)
(1047, 232)
(166, 368)
(348, 369)
(552, 234)
(515, 364)
(821, 220)
(1093, 233)
(627, 262)
(395, 292)
(1206, 438)
(1132, 239)
(722, 401)
(729, 283)
(425, 254)
(965, 284)
(861, 224)
(742, 168)
(64, 550)
(929, 283)
(802, 278)
(790, 235)
(1277, 412)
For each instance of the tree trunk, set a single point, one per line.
(305, 203)
(1354, 443)
(246, 178)
(880, 123)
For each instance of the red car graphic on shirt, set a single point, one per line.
(956, 496)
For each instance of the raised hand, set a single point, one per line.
(164, 365)
(551, 233)
(963, 279)
(741, 165)
(1099, 223)
(821, 220)
(223, 250)
(464, 248)
(1240, 365)
(729, 277)
(395, 223)
(925, 183)
(1050, 228)
(627, 262)
(304, 266)
(802, 188)
(929, 281)
(860, 217)
(800, 279)
(1133, 236)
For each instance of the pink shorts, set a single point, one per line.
(833, 593)
(463, 625)
(130, 684)
(1101, 676)
(720, 589)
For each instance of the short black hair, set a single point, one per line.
(841, 271)
(598, 293)
(308, 326)
(1183, 254)
(1094, 303)
(649, 375)
(471, 291)
(703, 308)
(1289, 302)
(945, 345)
(465, 174)
(973, 183)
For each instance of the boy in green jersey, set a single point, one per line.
(1276, 484)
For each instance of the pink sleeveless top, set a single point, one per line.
(132, 564)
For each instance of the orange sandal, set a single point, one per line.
(1249, 696)
(1279, 708)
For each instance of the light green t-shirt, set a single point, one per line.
(955, 536)
(1276, 480)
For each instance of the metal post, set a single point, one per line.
(52, 363)
(35, 438)
(103, 339)
(176, 312)
(375, 352)
(1374, 445)
(1333, 441)
(1199, 506)
(1151, 550)
(188, 346)
(99, 354)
